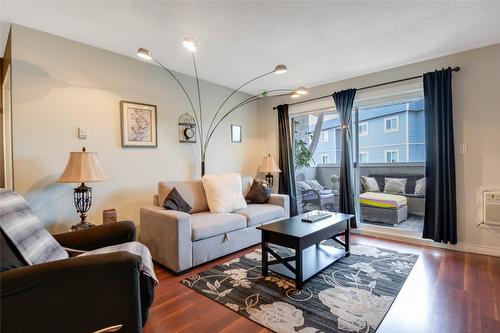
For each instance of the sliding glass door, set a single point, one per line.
(389, 144)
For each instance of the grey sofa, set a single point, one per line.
(180, 240)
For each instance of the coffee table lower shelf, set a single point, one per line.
(314, 259)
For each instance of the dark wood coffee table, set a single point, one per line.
(310, 256)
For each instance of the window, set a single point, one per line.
(392, 156)
(363, 129)
(391, 124)
(324, 136)
(363, 157)
(324, 159)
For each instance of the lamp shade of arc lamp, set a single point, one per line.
(269, 165)
(83, 167)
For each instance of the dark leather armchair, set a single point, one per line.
(78, 294)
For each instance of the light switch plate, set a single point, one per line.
(464, 148)
(82, 133)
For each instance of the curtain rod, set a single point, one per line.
(454, 69)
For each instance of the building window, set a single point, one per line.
(363, 157)
(324, 136)
(363, 129)
(324, 159)
(391, 124)
(392, 156)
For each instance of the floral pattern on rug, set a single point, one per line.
(351, 295)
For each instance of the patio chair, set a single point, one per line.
(313, 195)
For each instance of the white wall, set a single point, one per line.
(476, 101)
(60, 85)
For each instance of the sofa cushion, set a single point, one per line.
(206, 224)
(191, 191)
(260, 213)
(224, 192)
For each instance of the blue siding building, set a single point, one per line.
(387, 134)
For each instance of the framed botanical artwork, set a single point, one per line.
(236, 133)
(138, 122)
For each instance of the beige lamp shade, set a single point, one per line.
(269, 165)
(82, 167)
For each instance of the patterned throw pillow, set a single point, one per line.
(420, 186)
(27, 234)
(395, 185)
(259, 193)
(370, 184)
(174, 201)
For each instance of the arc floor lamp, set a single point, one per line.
(220, 114)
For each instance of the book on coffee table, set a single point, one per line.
(316, 215)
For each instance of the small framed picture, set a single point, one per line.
(236, 133)
(138, 122)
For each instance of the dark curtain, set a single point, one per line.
(343, 102)
(287, 175)
(440, 222)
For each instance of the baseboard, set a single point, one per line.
(463, 247)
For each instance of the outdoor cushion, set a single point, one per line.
(206, 224)
(370, 184)
(314, 184)
(302, 185)
(224, 192)
(325, 193)
(420, 186)
(382, 200)
(395, 185)
(259, 213)
(191, 191)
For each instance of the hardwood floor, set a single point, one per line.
(447, 291)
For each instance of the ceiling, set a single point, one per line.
(319, 41)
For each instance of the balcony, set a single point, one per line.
(408, 218)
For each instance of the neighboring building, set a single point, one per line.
(387, 134)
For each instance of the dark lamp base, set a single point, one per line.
(81, 225)
(269, 179)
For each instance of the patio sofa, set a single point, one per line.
(392, 208)
(180, 240)
(415, 202)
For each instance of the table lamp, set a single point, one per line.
(269, 165)
(83, 167)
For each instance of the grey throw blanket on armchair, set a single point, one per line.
(134, 248)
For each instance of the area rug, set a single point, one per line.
(351, 295)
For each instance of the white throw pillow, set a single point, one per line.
(395, 185)
(370, 184)
(420, 186)
(224, 192)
